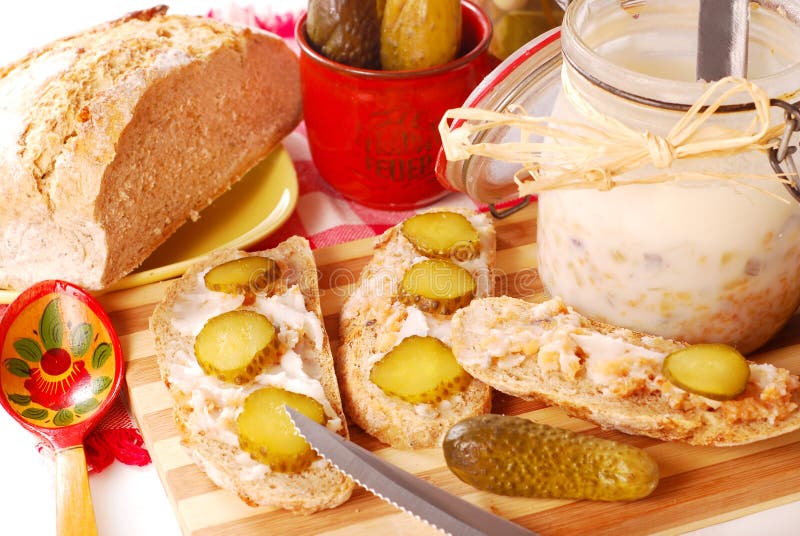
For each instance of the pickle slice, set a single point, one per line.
(442, 234)
(248, 275)
(235, 346)
(437, 286)
(518, 457)
(715, 371)
(266, 432)
(420, 370)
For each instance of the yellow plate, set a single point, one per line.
(253, 209)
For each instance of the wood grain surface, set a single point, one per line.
(699, 485)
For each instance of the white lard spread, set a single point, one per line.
(699, 260)
(409, 320)
(217, 404)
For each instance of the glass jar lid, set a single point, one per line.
(530, 78)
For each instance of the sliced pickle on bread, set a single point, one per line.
(442, 234)
(236, 346)
(218, 420)
(420, 370)
(247, 275)
(384, 397)
(267, 433)
(715, 371)
(437, 286)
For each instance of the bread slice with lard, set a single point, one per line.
(612, 376)
(206, 408)
(373, 321)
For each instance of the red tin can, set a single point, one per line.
(373, 134)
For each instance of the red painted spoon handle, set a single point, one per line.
(74, 512)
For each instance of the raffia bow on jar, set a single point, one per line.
(599, 152)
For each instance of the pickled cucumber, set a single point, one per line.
(235, 346)
(346, 31)
(266, 432)
(437, 286)
(516, 29)
(420, 370)
(248, 275)
(442, 234)
(518, 457)
(416, 34)
(715, 371)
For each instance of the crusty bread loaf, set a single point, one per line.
(612, 376)
(113, 138)
(318, 487)
(370, 324)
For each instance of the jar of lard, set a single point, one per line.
(709, 254)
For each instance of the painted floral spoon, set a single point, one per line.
(61, 369)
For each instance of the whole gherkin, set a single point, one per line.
(518, 457)
(346, 31)
(416, 34)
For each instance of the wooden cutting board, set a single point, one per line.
(699, 485)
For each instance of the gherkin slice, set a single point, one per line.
(517, 457)
(715, 371)
(267, 433)
(420, 370)
(443, 234)
(248, 275)
(437, 286)
(235, 346)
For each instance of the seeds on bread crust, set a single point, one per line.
(420, 370)
(437, 286)
(235, 346)
(442, 234)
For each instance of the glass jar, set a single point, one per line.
(714, 260)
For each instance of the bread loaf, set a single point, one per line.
(206, 408)
(112, 138)
(612, 376)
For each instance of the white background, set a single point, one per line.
(130, 501)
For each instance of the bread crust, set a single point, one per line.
(319, 487)
(387, 418)
(116, 136)
(645, 410)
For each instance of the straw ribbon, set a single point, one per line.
(661, 151)
(599, 151)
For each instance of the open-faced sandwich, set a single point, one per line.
(400, 381)
(617, 378)
(237, 337)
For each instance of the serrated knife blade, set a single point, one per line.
(438, 508)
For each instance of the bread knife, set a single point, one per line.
(438, 508)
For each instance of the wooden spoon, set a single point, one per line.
(61, 370)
